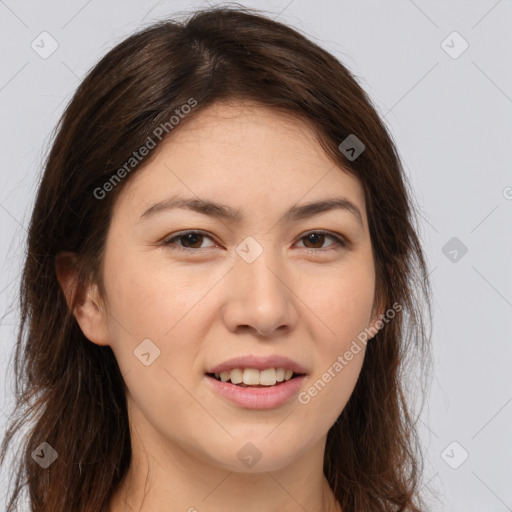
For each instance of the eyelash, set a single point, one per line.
(340, 241)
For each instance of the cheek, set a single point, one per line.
(343, 305)
(165, 305)
(346, 310)
(327, 394)
(158, 305)
(149, 301)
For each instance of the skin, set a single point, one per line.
(202, 308)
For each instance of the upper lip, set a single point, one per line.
(259, 363)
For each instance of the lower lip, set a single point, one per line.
(257, 398)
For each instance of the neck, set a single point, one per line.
(164, 475)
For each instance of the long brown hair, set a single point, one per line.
(70, 392)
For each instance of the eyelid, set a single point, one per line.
(166, 242)
(341, 241)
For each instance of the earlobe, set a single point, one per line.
(86, 304)
(375, 325)
(376, 322)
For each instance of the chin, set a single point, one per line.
(250, 454)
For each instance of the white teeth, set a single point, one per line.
(253, 377)
(267, 377)
(236, 376)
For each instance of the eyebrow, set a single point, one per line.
(222, 211)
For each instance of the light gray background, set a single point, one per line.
(451, 119)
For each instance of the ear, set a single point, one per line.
(88, 309)
(376, 322)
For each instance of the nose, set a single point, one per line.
(259, 298)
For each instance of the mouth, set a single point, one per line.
(250, 388)
(252, 378)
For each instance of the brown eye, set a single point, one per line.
(191, 240)
(188, 240)
(316, 240)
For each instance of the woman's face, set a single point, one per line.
(262, 278)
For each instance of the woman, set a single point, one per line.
(222, 283)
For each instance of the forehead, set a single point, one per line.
(246, 129)
(245, 153)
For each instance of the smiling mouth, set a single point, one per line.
(242, 385)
